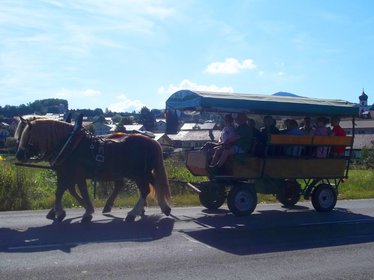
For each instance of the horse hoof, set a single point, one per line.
(130, 218)
(107, 209)
(61, 216)
(51, 214)
(86, 218)
(167, 211)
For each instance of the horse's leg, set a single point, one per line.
(57, 211)
(58, 208)
(77, 197)
(82, 185)
(118, 184)
(138, 210)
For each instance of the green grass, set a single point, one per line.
(24, 188)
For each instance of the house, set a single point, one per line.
(362, 126)
(160, 126)
(193, 139)
(362, 141)
(199, 126)
(165, 141)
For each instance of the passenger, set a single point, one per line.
(293, 129)
(286, 126)
(307, 128)
(265, 132)
(322, 130)
(256, 134)
(239, 143)
(227, 132)
(337, 130)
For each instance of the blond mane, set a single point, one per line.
(22, 122)
(45, 135)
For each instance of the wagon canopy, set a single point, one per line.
(187, 100)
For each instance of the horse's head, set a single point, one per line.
(40, 138)
(22, 122)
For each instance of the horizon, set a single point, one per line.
(123, 55)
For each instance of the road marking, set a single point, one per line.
(358, 221)
(74, 244)
(196, 241)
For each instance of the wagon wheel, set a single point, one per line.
(289, 193)
(242, 200)
(212, 196)
(324, 198)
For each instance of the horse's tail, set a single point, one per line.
(161, 182)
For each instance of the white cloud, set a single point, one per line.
(125, 104)
(230, 66)
(91, 92)
(186, 84)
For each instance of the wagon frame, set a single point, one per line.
(286, 177)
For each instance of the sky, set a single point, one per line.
(122, 55)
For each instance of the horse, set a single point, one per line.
(24, 120)
(134, 156)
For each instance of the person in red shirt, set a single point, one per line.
(337, 130)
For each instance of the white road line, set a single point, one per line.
(358, 221)
(196, 241)
(71, 244)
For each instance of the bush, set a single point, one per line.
(367, 157)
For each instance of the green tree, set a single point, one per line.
(147, 119)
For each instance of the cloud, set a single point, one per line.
(91, 92)
(230, 66)
(125, 104)
(186, 84)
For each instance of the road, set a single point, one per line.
(272, 243)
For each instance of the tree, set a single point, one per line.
(171, 121)
(147, 119)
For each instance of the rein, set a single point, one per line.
(68, 144)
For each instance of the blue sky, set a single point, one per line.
(123, 55)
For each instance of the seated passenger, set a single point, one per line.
(293, 129)
(337, 130)
(265, 132)
(307, 128)
(239, 143)
(256, 134)
(322, 130)
(226, 133)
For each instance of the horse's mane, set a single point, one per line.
(46, 135)
(22, 122)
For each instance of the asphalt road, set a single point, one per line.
(272, 243)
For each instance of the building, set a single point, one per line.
(363, 105)
(362, 126)
(362, 141)
(199, 126)
(194, 139)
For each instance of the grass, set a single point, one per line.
(24, 188)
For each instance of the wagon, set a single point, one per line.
(289, 178)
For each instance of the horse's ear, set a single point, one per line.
(19, 118)
(68, 118)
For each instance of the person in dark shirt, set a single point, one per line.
(265, 132)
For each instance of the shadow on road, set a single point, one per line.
(69, 234)
(277, 231)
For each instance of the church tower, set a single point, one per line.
(363, 102)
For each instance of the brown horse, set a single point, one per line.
(22, 123)
(136, 157)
